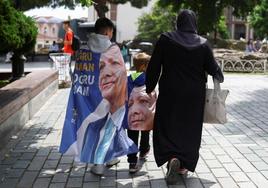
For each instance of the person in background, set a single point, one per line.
(124, 51)
(54, 48)
(179, 63)
(68, 38)
(250, 46)
(258, 44)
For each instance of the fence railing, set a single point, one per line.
(237, 65)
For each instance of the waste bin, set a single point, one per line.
(62, 63)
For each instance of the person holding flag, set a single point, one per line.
(93, 130)
(141, 107)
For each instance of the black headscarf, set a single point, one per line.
(186, 32)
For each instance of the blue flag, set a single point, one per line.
(93, 130)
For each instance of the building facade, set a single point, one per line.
(238, 27)
(125, 18)
(48, 29)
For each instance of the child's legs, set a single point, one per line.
(134, 136)
(144, 142)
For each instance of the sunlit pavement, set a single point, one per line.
(231, 155)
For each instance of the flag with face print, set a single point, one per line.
(93, 130)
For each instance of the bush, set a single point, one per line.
(222, 28)
(228, 44)
(17, 32)
(220, 43)
(9, 33)
(238, 45)
(154, 23)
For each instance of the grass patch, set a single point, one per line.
(65, 84)
(3, 83)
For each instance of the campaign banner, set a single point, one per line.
(141, 106)
(141, 109)
(95, 119)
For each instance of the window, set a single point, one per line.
(45, 30)
(53, 30)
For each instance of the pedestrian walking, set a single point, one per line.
(181, 60)
(140, 115)
(68, 37)
(94, 128)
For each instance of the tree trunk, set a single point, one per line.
(215, 36)
(18, 61)
(101, 8)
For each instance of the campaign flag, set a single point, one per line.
(93, 130)
(141, 106)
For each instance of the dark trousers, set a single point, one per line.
(144, 143)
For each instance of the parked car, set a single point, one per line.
(143, 46)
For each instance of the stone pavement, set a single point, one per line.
(231, 155)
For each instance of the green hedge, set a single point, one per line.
(17, 32)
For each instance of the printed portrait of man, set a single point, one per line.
(113, 78)
(105, 138)
(141, 109)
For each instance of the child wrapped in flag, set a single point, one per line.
(94, 126)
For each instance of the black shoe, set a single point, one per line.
(133, 168)
(172, 173)
(143, 155)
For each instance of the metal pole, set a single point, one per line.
(264, 65)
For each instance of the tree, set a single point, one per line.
(210, 12)
(99, 5)
(258, 19)
(17, 33)
(151, 25)
(222, 28)
(162, 19)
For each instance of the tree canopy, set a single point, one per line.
(163, 18)
(209, 16)
(100, 5)
(210, 12)
(258, 19)
(17, 31)
(159, 20)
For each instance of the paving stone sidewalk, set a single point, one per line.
(231, 155)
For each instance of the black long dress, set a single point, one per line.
(180, 105)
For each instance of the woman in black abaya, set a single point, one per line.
(180, 59)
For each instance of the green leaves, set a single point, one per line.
(209, 16)
(17, 31)
(30, 4)
(86, 3)
(222, 28)
(160, 20)
(258, 19)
